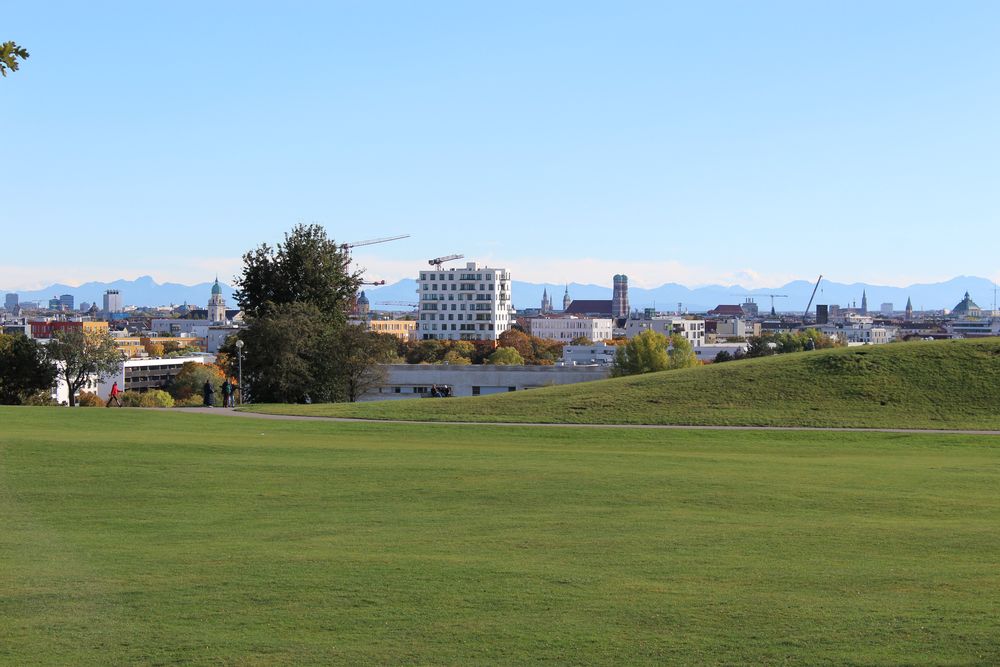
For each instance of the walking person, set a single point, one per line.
(113, 396)
(227, 394)
(208, 392)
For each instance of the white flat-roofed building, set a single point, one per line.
(692, 330)
(469, 303)
(416, 380)
(567, 328)
(598, 354)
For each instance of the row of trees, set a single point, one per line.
(513, 347)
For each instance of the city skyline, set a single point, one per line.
(565, 142)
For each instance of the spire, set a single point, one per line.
(864, 302)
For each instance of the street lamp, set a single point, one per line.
(239, 358)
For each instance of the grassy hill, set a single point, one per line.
(927, 384)
(157, 537)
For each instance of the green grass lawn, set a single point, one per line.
(940, 384)
(132, 536)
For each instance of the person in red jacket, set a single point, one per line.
(114, 396)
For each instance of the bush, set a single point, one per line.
(130, 399)
(89, 400)
(156, 398)
(40, 398)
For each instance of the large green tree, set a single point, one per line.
(24, 369)
(10, 54)
(308, 267)
(82, 355)
(359, 358)
(645, 353)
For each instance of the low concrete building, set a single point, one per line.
(143, 374)
(598, 354)
(415, 380)
(709, 351)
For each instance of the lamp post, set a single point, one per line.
(239, 360)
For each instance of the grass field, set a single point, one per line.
(940, 384)
(154, 537)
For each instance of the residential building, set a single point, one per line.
(567, 328)
(692, 329)
(886, 309)
(401, 329)
(468, 303)
(860, 333)
(43, 330)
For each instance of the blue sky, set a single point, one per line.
(696, 143)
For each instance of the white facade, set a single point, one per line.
(113, 301)
(215, 335)
(416, 380)
(598, 354)
(469, 303)
(567, 328)
(692, 330)
(860, 334)
(139, 374)
(709, 351)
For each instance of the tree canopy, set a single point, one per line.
(10, 54)
(505, 356)
(24, 369)
(82, 355)
(307, 267)
(651, 351)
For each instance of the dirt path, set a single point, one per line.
(230, 412)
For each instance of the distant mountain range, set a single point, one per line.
(931, 296)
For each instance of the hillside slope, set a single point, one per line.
(933, 384)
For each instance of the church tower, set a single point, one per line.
(216, 304)
(864, 302)
(546, 302)
(566, 299)
(909, 310)
(364, 306)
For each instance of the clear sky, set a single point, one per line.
(697, 142)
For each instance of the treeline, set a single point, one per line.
(768, 344)
(513, 347)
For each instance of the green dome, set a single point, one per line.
(967, 307)
(216, 288)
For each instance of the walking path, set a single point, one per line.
(230, 412)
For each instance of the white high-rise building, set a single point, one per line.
(112, 302)
(470, 303)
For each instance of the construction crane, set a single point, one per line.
(397, 303)
(805, 315)
(773, 297)
(373, 283)
(355, 244)
(438, 261)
